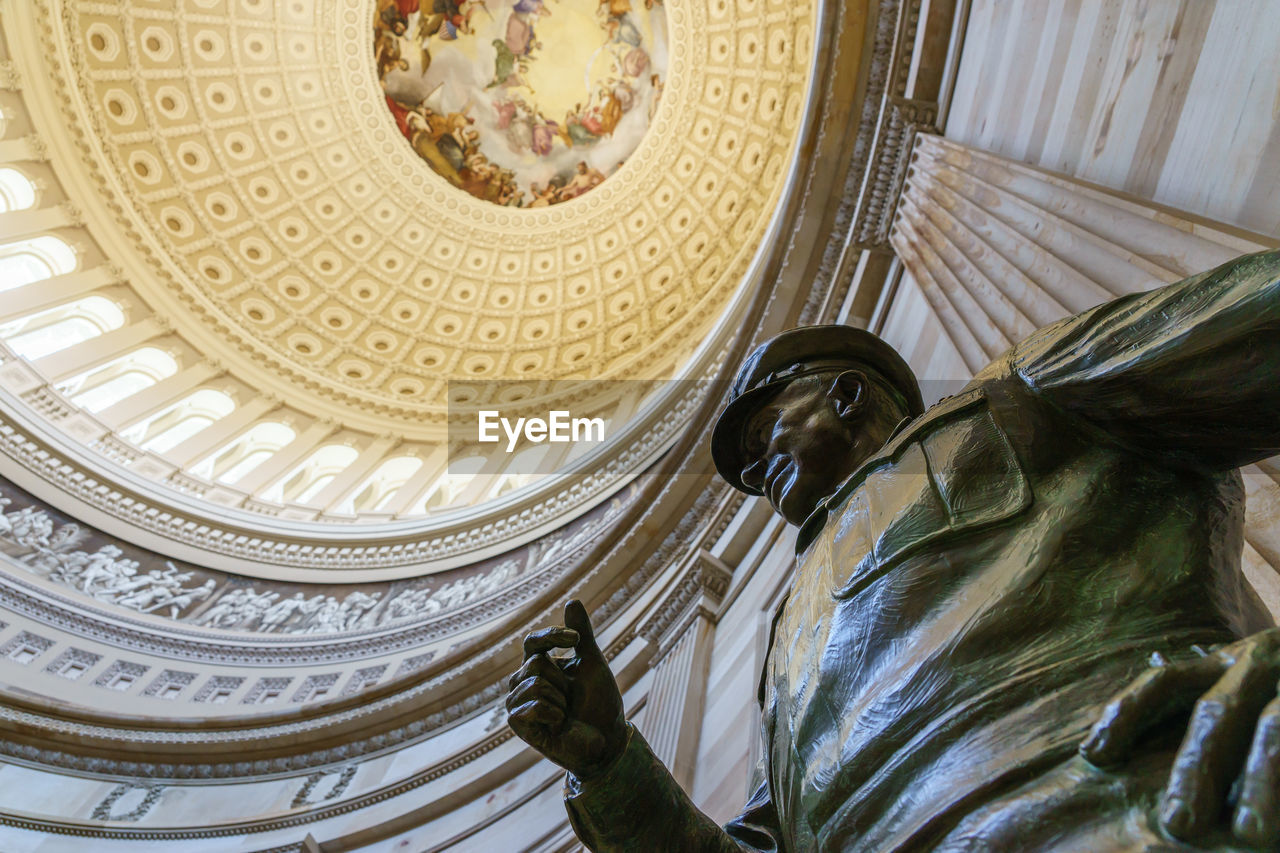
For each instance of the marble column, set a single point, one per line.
(94, 352)
(1000, 248)
(148, 401)
(20, 224)
(287, 457)
(353, 476)
(39, 295)
(434, 466)
(672, 720)
(221, 432)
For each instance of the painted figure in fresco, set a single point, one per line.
(404, 31)
(584, 178)
(520, 38)
(615, 8)
(974, 580)
(508, 67)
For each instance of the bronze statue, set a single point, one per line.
(974, 582)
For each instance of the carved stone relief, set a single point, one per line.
(45, 543)
(150, 795)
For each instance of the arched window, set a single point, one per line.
(95, 390)
(451, 484)
(230, 463)
(381, 486)
(309, 478)
(56, 329)
(177, 423)
(16, 191)
(28, 261)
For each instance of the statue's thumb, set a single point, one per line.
(575, 617)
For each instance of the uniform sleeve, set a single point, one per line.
(635, 806)
(1188, 373)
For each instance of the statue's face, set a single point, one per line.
(816, 432)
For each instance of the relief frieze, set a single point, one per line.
(39, 540)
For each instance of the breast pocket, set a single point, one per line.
(960, 474)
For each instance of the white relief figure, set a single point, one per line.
(253, 608)
(6, 526)
(250, 611)
(409, 602)
(124, 581)
(180, 599)
(356, 606)
(65, 537)
(154, 584)
(500, 576)
(68, 568)
(306, 612)
(278, 615)
(446, 595)
(48, 560)
(30, 527)
(327, 619)
(102, 565)
(225, 611)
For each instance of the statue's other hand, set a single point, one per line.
(1233, 738)
(569, 709)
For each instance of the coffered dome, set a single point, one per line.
(296, 283)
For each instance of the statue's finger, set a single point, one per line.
(1215, 747)
(540, 665)
(548, 639)
(1152, 698)
(576, 618)
(536, 690)
(535, 719)
(1257, 818)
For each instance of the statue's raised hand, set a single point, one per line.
(1228, 766)
(569, 709)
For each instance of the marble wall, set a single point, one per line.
(1176, 101)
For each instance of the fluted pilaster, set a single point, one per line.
(283, 461)
(37, 296)
(998, 249)
(86, 355)
(354, 474)
(673, 711)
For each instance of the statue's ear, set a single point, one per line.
(848, 393)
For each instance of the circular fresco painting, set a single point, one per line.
(524, 103)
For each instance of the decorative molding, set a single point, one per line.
(431, 774)
(311, 546)
(886, 127)
(102, 811)
(303, 797)
(10, 78)
(901, 120)
(697, 591)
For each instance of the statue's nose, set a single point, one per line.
(753, 474)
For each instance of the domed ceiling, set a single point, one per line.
(264, 545)
(332, 210)
(255, 163)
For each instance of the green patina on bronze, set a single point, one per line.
(974, 586)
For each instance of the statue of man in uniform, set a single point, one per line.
(975, 581)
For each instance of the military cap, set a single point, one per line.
(789, 356)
